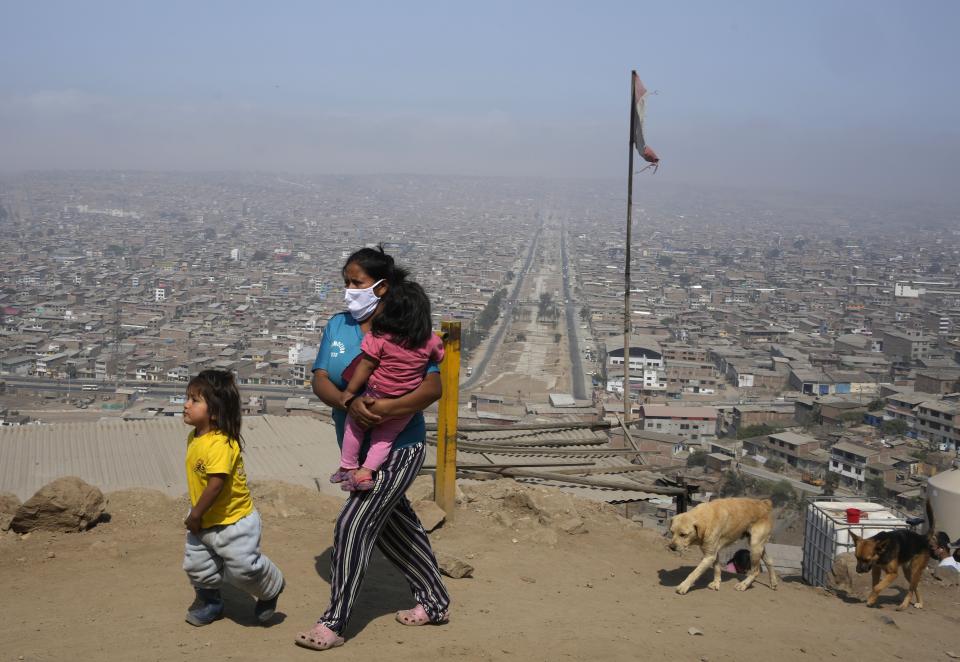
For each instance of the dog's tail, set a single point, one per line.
(931, 526)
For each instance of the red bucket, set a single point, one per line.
(853, 515)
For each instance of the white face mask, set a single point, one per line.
(362, 303)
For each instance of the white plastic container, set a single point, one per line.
(828, 528)
(944, 492)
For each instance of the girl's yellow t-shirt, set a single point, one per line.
(214, 453)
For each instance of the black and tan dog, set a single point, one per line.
(888, 552)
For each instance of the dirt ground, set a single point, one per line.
(116, 593)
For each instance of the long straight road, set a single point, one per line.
(576, 365)
(494, 343)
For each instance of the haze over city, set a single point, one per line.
(850, 97)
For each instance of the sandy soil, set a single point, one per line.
(117, 593)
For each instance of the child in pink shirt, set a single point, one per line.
(392, 362)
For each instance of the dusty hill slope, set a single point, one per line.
(117, 593)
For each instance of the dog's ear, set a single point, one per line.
(881, 546)
(856, 538)
(696, 530)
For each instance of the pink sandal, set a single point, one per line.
(319, 638)
(418, 616)
(354, 485)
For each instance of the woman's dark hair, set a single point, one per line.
(741, 560)
(219, 390)
(405, 315)
(377, 264)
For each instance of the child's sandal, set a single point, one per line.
(340, 476)
(361, 485)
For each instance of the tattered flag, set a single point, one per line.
(639, 103)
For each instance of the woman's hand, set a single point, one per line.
(368, 412)
(361, 410)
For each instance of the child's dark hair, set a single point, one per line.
(405, 315)
(218, 388)
(741, 560)
(377, 264)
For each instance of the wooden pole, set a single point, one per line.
(627, 325)
(445, 480)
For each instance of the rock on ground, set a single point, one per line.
(949, 576)
(454, 567)
(845, 578)
(8, 508)
(66, 504)
(431, 515)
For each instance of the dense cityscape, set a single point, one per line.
(750, 315)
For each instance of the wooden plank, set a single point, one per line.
(591, 482)
(486, 427)
(446, 474)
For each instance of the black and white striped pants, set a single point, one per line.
(383, 517)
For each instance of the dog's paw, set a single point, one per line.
(714, 586)
(742, 586)
(918, 605)
(682, 590)
(774, 586)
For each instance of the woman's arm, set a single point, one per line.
(416, 400)
(325, 389)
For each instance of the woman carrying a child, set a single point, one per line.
(377, 513)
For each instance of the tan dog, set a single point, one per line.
(717, 524)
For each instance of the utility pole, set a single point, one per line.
(627, 323)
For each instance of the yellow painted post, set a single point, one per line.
(445, 482)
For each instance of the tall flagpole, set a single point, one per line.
(626, 271)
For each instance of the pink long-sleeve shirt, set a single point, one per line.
(401, 369)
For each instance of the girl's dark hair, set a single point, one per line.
(377, 264)
(218, 388)
(405, 315)
(741, 560)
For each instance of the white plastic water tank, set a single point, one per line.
(944, 493)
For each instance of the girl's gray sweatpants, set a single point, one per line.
(231, 553)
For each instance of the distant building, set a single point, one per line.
(788, 447)
(695, 424)
(907, 346)
(646, 364)
(748, 415)
(850, 461)
(938, 381)
(938, 421)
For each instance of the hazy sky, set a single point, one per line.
(851, 96)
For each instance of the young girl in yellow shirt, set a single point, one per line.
(223, 538)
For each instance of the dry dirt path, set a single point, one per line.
(116, 593)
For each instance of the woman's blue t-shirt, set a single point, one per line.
(339, 345)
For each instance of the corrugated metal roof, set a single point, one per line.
(592, 458)
(565, 435)
(115, 454)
